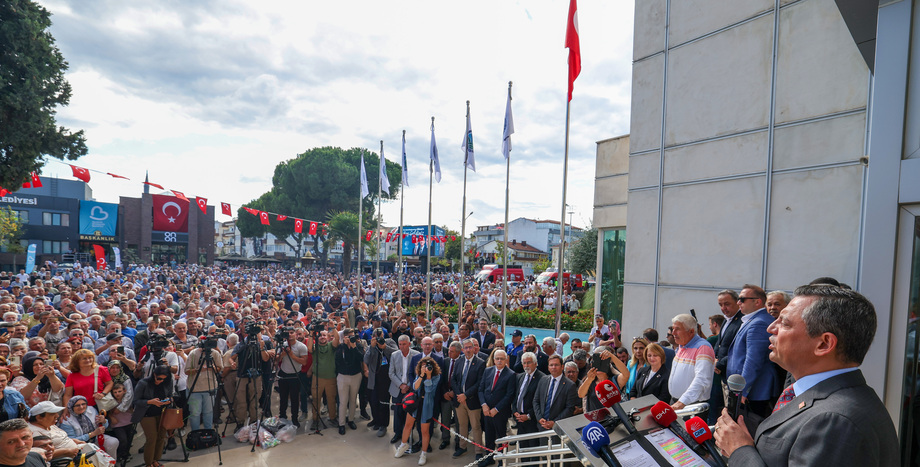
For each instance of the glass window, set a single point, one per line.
(46, 218)
(23, 216)
(65, 220)
(46, 246)
(910, 417)
(612, 265)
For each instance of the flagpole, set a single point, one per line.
(402, 191)
(360, 234)
(466, 155)
(505, 249)
(379, 220)
(560, 276)
(428, 244)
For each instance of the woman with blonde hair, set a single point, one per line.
(87, 378)
(638, 361)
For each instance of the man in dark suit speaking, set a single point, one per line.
(829, 415)
(555, 397)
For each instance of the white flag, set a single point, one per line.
(405, 169)
(384, 181)
(364, 191)
(434, 155)
(467, 144)
(509, 128)
(117, 256)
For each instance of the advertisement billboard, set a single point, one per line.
(420, 247)
(98, 219)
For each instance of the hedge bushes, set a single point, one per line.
(581, 322)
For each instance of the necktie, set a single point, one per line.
(549, 398)
(785, 398)
(466, 370)
(523, 390)
(451, 372)
(497, 372)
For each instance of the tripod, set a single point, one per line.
(252, 362)
(206, 362)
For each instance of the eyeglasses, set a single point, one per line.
(742, 299)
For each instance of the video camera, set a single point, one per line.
(253, 328)
(317, 324)
(283, 334)
(208, 343)
(157, 343)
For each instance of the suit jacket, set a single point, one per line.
(726, 336)
(749, 356)
(529, 393)
(657, 386)
(542, 363)
(396, 371)
(839, 421)
(501, 396)
(563, 404)
(485, 342)
(474, 374)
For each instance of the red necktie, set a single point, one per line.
(785, 398)
(497, 372)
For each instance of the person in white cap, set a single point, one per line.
(43, 418)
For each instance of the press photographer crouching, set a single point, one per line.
(349, 358)
(204, 362)
(292, 355)
(249, 357)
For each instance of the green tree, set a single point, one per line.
(32, 85)
(582, 256)
(452, 247)
(343, 227)
(10, 230)
(542, 265)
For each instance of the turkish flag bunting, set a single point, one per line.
(154, 185)
(443, 238)
(100, 257)
(80, 172)
(36, 181)
(27, 185)
(254, 212)
(202, 204)
(370, 233)
(453, 238)
(414, 239)
(4, 192)
(324, 232)
(225, 209)
(389, 236)
(179, 195)
(170, 214)
(477, 254)
(281, 217)
(298, 226)
(117, 176)
(263, 216)
(313, 228)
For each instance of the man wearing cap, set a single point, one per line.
(515, 348)
(43, 418)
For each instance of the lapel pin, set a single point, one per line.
(802, 405)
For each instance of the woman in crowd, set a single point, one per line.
(595, 375)
(64, 352)
(14, 405)
(86, 424)
(150, 396)
(639, 345)
(118, 375)
(425, 386)
(120, 425)
(83, 374)
(37, 382)
(653, 378)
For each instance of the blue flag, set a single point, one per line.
(434, 154)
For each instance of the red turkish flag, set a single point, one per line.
(36, 181)
(389, 236)
(370, 233)
(263, 216)
(443, 238)
(453, 238)
(281, 217)
(80, 172)
(4, 192)
(298, 226)
(179, 195)
(117, 176)
(27, 185)
(571, 43)
(154, 185)
(100, 257)
(324, 231)
(225, 209)
(202, 204)
(405, 235)
(414, 239)
(170, 214)
(313, 228)
(254, 212)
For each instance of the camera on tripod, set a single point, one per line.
(317, 324)
(253, 328)
(209, 343)
(283, 334)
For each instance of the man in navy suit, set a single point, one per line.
(556, 397)
(496, 391)
(749, 353)
(728, 304)
(465, 386)
(485, 337)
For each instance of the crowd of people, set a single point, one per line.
(87, 356)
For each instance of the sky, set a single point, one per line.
(209, 96)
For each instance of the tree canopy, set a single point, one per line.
(583, 254)
(32, 85)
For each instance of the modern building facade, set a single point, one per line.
(610, 197)
(540, 234)
(773, 142)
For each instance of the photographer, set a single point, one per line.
(249, 356)
(155, 353)
(348, 365)
(377, 372)
(201, 399)
(323, 371)
(425, 386)
(292, 355)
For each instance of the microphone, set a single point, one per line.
(666, 417)
(736, 384)
(609, 395)
(699, 430)
(603, 417)
(595, 437)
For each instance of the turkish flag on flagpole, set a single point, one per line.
(571, 43)
(80, 173)
(298, 226)
(263, 216)
(225, 209)
(100, 257)
(202, 204)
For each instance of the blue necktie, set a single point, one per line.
(523, 390)
(549, 398)
(466, 369)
